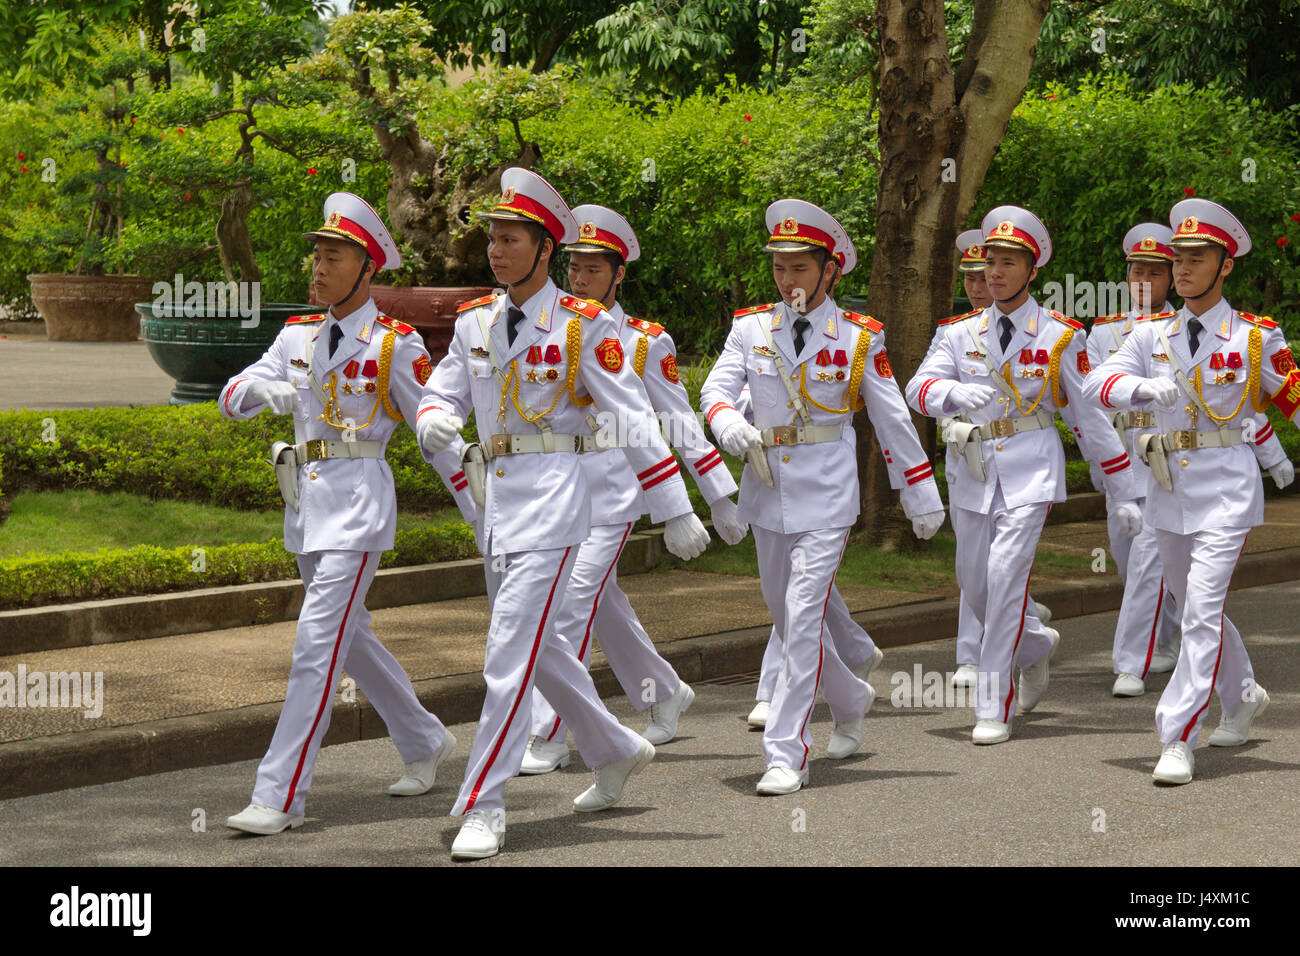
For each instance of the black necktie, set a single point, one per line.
(1004, 333)
(801, 327)
(1194, 331)
(513, 318)
(336, 334)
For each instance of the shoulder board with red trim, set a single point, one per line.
(474, 303)
(1072, 323)
(1103, 319)
(295, 319)
(958, 318)
(401, 328)
(1156, 315)
(1263, 321)
(581, 306)
(644, 325)
(865, 321)
(752, 309)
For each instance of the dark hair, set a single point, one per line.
(540, 232)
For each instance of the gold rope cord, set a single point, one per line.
(638, 360)
(333, 403)
(1255, 349)
(852, 400)
(573, 342)
(385, 364)
(1053, 383)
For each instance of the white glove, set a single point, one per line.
(1162, 391)
(737, 438)
(436, 429)
(945, 429)
(277, 396)
(685, 536)
(1283, 473)
(970, 396)
(924, 526)
(726, 520)
(1128, 514)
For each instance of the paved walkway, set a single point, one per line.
(43, 374)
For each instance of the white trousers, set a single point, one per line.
(334, 635)
(969, 633)
(1147, 618)
(797, 572)
(524, 650)
(1198, 568)
(995, 554)
(852, 643)
(595, 604)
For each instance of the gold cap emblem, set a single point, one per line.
(508, 197)
(588, 230)
(333, 219)
(1147, 244)
(1188, 225)
(1005, 228)
(974, 252)
(788, 227)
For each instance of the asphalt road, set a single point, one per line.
(1073, 786)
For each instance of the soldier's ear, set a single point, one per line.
(1226, 268)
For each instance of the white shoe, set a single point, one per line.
(863, 671)
(1043, 611)
(256, 818)
(482, 835)
(665, 714)
(1175, 765)
(846, 738)
(417, 776)
(1165, 657)
(612, 778)
(967, 675)
(1235, 730)
(990, 732)
(1128, 685)
(758, 716)
(543, 757)
(1033, 679)
(779, 780)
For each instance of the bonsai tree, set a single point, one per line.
(445, 147)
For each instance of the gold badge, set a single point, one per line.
(334, 218)
(532, 375)
(789, 226)
(1188, 225)
(507, 197)
(974, 253)
(588, 230)
(1005, 228)
(1147, 244)
(552, 375)
(370, 387)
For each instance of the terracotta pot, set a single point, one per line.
(90, 308)
(431, 309)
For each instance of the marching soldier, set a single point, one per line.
(536, 505)
(810, 366)
(1209, 370)
(594, 604)
(1032, 362)
(349, 378)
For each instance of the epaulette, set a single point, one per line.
(1103, 319)
(865, 321)
(581, 306)
(957, 318)
(1156, 315)
(1263, 321)
(473, 303)
(296, 319)
(752, 309)
(644, 325)
(1060, 317)
(401, 328)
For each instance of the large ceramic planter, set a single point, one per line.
(89, 308)
(203, 352)
(430, 309)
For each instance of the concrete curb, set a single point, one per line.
(45, 764)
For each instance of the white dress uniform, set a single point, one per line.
(537, 508)
(594, 605)
(998, 521)
(346, 514)
(1216, 495)
(801, 524)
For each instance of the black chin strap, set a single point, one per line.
(356, 285)
(1223, 254)
(536, 259)
(818, 287)
(610, 291)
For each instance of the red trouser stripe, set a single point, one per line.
(1155, 627)
(1217, 658)
(1024, 606)
(528, 672)
(820, 633)
(329, 686)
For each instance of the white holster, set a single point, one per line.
(969, 443)
(1151, 450)
(474, 463)
(285, 463)
(756, 458)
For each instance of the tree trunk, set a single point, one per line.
(233, 240)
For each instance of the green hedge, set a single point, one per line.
(73, 576)
(186, 452)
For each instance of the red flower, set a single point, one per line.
(311, 170)
(744, 142)
(1189, 191)
(180, 130)
(187, 195)
(1227, 152)
(21, 156)
(1051, 96)
(1295, 217)
(132, 120)
(1282, 242)
(748, 118)
(24, 169)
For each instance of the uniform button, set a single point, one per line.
(320, 418)
(312, 476)
(501, 473)
(1183, 463)
(789, 404)
(785, 458)
(999, 448)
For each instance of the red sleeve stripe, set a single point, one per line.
(458, 476)
(709, 467)
(459, 485)
(1264, 435)
(230, 391)
(427, 408)
(924, 466)
(672, 472)
(1120, 467)
(655, 467)
(921, 476)
(707, 461)
(920, 399)
(717, 407)
(1105, 389)
(1121, 457)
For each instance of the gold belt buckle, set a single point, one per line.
(1002, 428)
(1144, 419)
(784, 435)
(500, 445)
(316, 450)
(1184, 440)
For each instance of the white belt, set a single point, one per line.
(800, 434)
(320, 448)
(499, 445)
(1127, 420)
(1006, 427)
(1192, 440)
